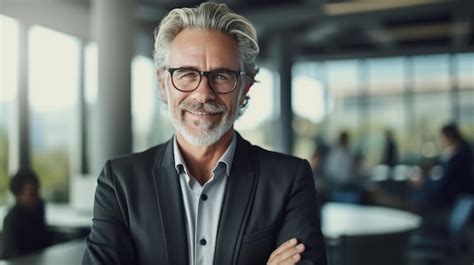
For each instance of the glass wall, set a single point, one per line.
(386, 82)
(151, 125)
(412, 96)
(310, 105)
(465, 74)
(432, 102)
(259, 118)
(8, 90)
(53, 84)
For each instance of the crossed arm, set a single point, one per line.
(300, 233)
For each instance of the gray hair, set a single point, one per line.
(208, 16)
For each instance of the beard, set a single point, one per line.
(201, 132)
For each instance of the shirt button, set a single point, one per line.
(203, 197)
(203, 242)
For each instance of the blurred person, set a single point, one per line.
(207, 196)
(317, 161)
(340, 164)
(24, 227)
(458, 171)
(390, 152)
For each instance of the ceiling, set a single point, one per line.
(334, 29)
(318, 29)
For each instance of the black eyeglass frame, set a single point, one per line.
(206, 74)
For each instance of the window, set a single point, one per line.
(8, 89)
(343, 79)
(257, 121)
(53, 83)
(151, 124)
(386, 106)
(309, 105)
(465, 69)
(432, 104)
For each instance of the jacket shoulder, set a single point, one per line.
(277, 160)
(145, 159)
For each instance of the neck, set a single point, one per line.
(200, 160)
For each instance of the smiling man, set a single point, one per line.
(207, 196)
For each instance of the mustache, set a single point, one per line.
(207, 107)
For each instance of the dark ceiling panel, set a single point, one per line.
(422, 26)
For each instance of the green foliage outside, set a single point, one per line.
(52, 167)
(3, 167)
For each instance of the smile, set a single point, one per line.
(205, 113)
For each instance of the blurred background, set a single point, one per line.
(78, 86)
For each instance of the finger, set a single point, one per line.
(289, 253)
(287, 244)
(291, 260)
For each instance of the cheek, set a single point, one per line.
(173, 99)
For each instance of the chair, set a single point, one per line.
(376, 249)
(437, 244)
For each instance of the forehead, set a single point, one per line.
(203, 49)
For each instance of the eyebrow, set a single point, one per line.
(212, 69)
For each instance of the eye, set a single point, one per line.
(222, 76)
(186, 74)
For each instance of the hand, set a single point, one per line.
(287, 253)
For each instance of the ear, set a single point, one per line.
(247, 85)
(161, 80)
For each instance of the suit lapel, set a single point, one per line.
(171, 205)
(235, 208)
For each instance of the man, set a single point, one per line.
(340, 164)
(24, 227)
(390, 153)
(458, 171)
(206, 196)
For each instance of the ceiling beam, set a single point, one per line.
(308, 55)
(379, 35)
(462, 24)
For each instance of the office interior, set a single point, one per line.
(78, 86)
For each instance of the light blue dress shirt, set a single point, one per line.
(203, 204)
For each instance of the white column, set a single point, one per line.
(19, 150)
(282, 52)
(113, 29)
(78, 146)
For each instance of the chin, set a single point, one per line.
(202, 137)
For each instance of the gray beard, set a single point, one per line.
(209, 134)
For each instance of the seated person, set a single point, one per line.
(24, 227)
(457, 177)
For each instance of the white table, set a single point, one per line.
(348, 219)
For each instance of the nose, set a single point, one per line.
(204, 91)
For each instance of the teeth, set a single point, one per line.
(202, 113)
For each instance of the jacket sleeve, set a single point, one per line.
(11, 244)
(109, 241)
(301, 220)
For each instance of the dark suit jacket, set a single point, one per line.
(139, 212)
(457, 179)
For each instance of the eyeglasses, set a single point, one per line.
(222, 81)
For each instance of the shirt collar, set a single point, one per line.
(226, 158)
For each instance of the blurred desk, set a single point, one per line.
(61, 216)
(366, 235)
(65, 253)
(339, 219)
